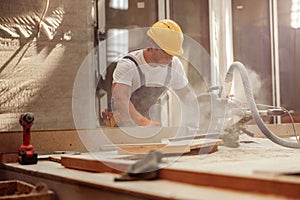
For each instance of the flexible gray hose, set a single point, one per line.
(254, 111)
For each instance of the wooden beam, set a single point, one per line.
(93, 165)
(281, 130)
(257, 184)
(176, 147)
(143, 149)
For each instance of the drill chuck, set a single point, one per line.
(26, 119)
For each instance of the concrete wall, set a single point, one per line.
(38, 69)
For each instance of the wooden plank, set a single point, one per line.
(146, 148)
(193, 137)
(248, 184)
(281, 186)
(281, 130)
(93, 165)
(198, 143)
(177, 147)
(203, 150)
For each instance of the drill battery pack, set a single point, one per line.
(28, 157)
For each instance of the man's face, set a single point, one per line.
(161, 57)
(158, 56)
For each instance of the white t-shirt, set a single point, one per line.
(127, 73)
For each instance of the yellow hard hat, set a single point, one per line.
(167, 34)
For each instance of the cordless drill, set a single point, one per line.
(27, 153)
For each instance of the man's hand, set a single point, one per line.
(146, 122)
(108, 118)
(125, 110)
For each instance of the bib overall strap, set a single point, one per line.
(142, 76)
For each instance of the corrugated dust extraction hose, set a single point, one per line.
(254, 111)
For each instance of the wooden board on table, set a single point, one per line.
(146, 148)
(194, 137)
(86, 162)
(177, 147)
(198, 143)
(282, 186)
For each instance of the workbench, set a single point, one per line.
(258, 169)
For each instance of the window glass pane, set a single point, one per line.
(119, 4)
(295, 14)
(117, 44)
(289, 49)
(193, 18)
(252, 47)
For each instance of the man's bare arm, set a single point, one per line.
(124, 111)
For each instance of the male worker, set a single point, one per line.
(143, 75)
